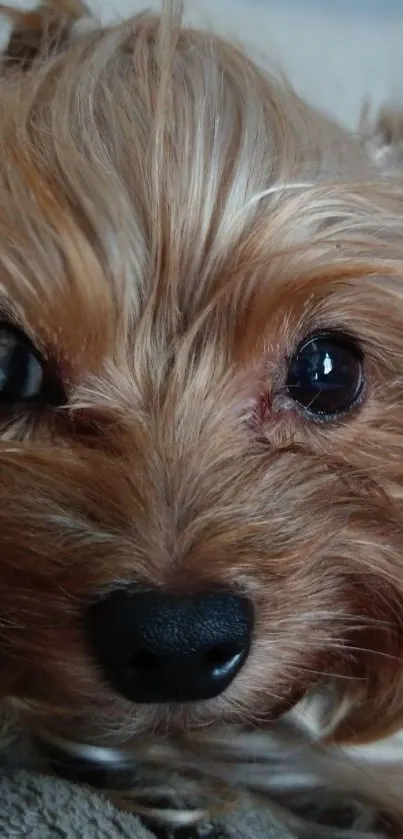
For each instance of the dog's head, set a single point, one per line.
(201, 369)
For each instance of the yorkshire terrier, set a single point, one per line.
(201, 388)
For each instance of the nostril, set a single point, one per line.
(222, 658)
(145, 661)
(217, 660)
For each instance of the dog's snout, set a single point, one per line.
(159, 647)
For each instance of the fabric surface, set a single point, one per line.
(37, 807)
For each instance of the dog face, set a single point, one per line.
(201, 405)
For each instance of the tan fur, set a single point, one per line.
(173, 221)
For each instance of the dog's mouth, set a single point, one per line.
(116, 763)
(103, 768)
(100, 716)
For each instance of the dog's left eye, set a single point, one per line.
(23, 377)
(325, 375)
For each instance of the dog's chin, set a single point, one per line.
(146, 744)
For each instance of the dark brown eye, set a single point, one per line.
(24, 375)
(326, 376)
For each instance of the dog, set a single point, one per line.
(201, 451)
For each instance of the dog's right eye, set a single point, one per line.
(24, 377)
(325, 375)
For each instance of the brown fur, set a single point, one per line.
(173, 221)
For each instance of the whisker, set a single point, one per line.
(322, 673)
(341, 617)
(345, 648)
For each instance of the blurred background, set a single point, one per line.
(336, 52)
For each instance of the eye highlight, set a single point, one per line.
(326, 375)
(24, 375)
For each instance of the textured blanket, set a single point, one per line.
(39, 807)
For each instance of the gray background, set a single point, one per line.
(336, 52)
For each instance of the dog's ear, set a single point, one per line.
(382, 136)
(42, 31)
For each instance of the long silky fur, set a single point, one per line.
(236, 185)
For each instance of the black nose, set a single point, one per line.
(159, 647)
